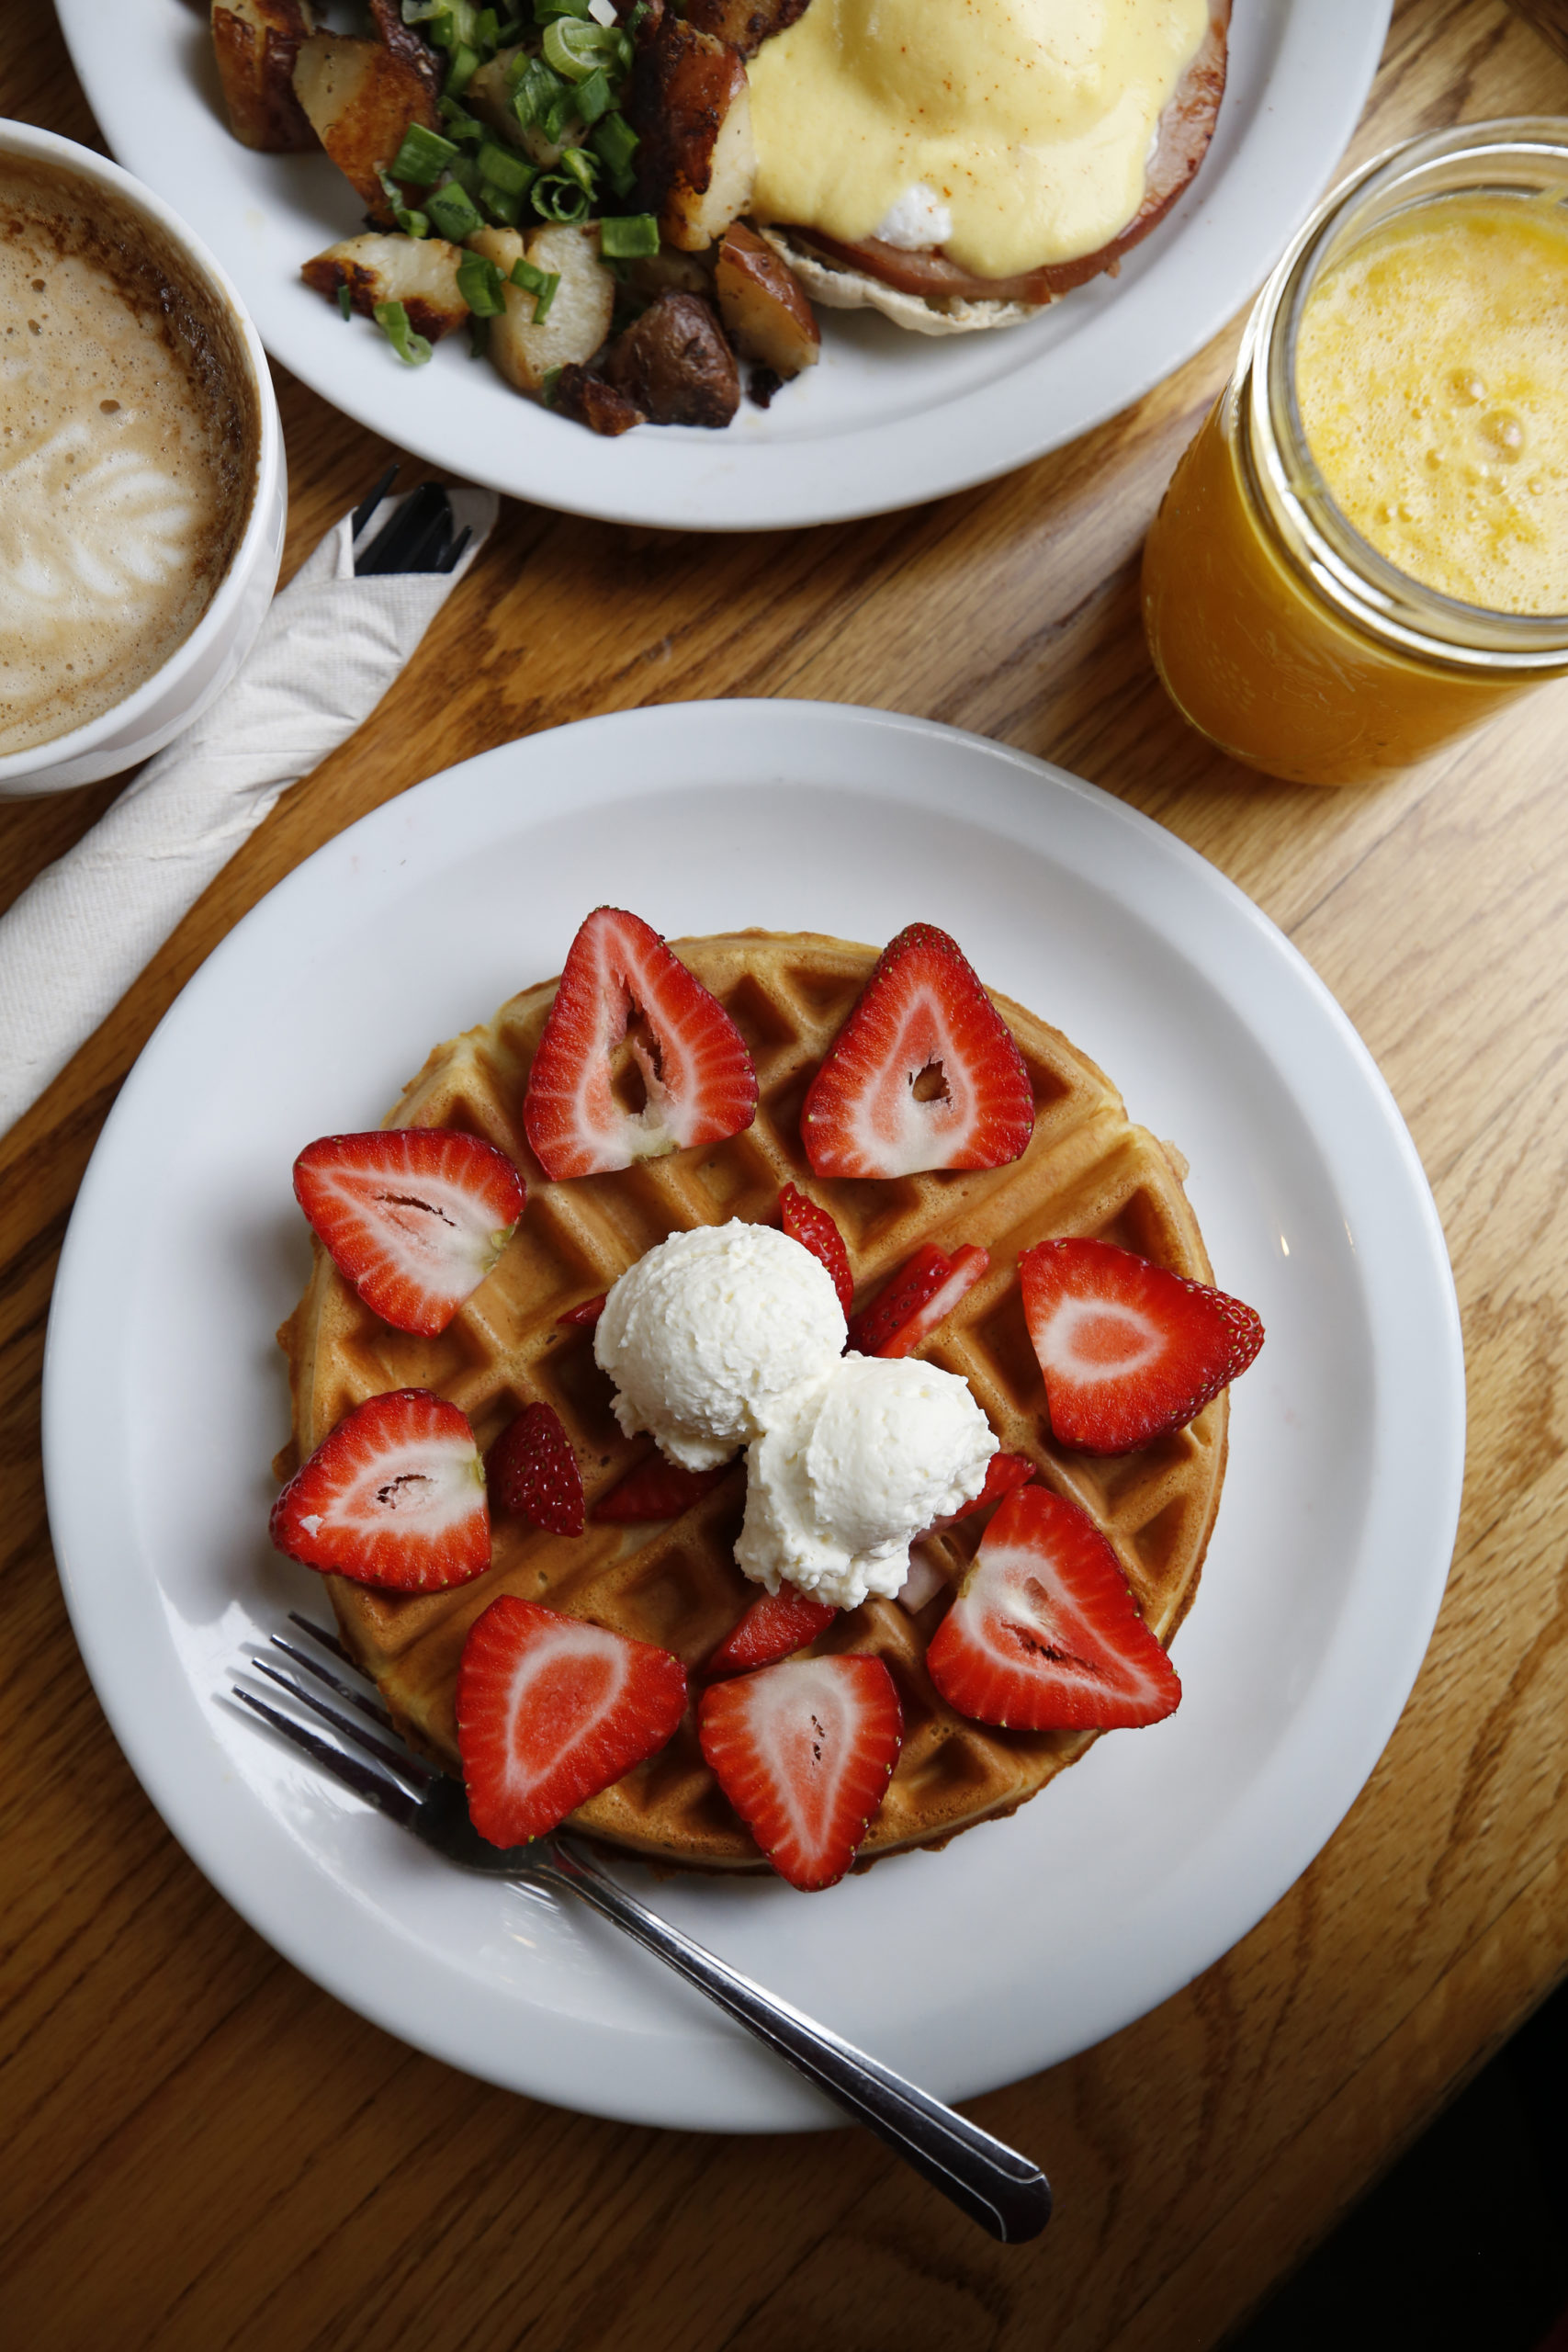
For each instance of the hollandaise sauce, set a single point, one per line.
(1021, 129)
(1365, 551)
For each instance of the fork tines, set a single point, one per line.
(411, 1780)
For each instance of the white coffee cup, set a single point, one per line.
(200, 666)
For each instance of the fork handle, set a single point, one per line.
(990, 2182)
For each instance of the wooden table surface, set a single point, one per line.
(199, 2149)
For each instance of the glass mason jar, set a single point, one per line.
(1278, 631)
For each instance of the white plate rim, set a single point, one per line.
(1412, 1512)
(1267, 169)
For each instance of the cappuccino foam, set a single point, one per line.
(128, 441)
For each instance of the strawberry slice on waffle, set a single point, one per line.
(656, 1489)
(924, 1073)
(395, 1497)
(550, 1711)
(414, 1217)
(776, 1623)
(920, 1296)
(1044, 1635)
(803, 1751)
(1128, 1351)
(531, 1468)
(622, 985)
(815, 1230)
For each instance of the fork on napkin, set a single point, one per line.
(334, 639)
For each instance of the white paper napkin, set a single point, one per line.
(329, 648)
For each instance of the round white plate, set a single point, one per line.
(885, 420)
(165, 1396)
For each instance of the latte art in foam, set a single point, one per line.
(126, 451)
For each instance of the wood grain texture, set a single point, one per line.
(198, 2149)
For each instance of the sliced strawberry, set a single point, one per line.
(587, 1313)
(965, 1269)
(1044, 1635)
(804, 1752)
(924, 1073)
(395, 1498)
(414, 1217)
(551, 1710)
(911, 1288)
(695, 1070)
(1003, 1473)
(1128, 1351)
(658, 1489)
(532, 1469)
(776, 1623)
(815, 1230)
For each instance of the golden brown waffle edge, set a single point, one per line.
(1088, 1171)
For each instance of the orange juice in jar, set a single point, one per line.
(1365, 550)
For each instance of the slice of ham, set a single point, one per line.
(1185, 127)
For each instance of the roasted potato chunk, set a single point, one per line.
(406, 41)
(578, 317)
(675, 364)
(764, 305)
(744, 25)
(690, 107)
(419, 272)
(256, 43)
(361, 98)
(588, 400)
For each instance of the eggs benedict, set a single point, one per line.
(959, 164)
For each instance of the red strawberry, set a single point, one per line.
(1044, 1635)
(587, 1313)
(414, 1217)
(965, 1269)
(656, 1489)
(922, 1014)
(911, 1288)
(395, 1497)
(532, 1469)
(815, 1230)
(698, 1077)
(1128, 1351)
(776, 1623)
(804, 1752)
(551, 1710)
(1003, 1473)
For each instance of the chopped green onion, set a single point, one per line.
(633, 23)
(346, 302)
(464, 64)
(462, 125)
(614, 143)
(556, 198)
(536, 91)
(501, 205)
(551, 378)
(501, 168)
(545, 11)
(454, 212)
(422, 157)
(540, 283)
(393, 322)
(627, 237)
(412, 224)
(479, 283)
(580, 165)
(575, 48)
(465, 174)
(560, 116)
(508, 33)
(487, 30)
(478, 337)
(593, 96)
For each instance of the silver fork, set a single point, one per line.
(990, 2182)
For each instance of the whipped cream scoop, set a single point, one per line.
(733, 1335)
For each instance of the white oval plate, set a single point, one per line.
(887, 419)
(165, 1396)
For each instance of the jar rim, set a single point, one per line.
(1514, 156)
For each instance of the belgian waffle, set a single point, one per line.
(1087, 1171)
